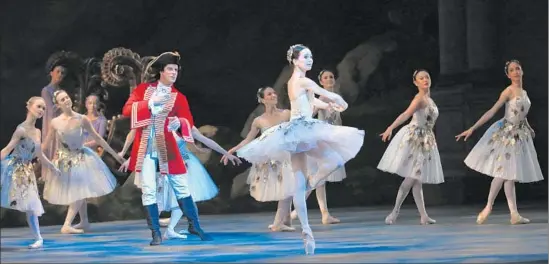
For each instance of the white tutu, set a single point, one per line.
(506, 151)
(83, 175)
(200, 184)
(271, 181)
(300, 135)
(334, 118)
(413, 151)
(18, 186)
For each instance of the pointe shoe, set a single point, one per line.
(281, 228)
(84, 226)
(309, 243)
(164, 222)
(391, 218)
(427, 221)
(516, 219)
(328, 220)
(293, 215)
(37, 244)
(482, 216)
(171, 234)
(71, 230)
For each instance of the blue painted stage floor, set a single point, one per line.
(362, 237)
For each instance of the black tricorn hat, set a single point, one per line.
(164, 59)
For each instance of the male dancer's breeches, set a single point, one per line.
(149, 187)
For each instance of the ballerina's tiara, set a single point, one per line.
(291, 51)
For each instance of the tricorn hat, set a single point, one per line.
(164, 59)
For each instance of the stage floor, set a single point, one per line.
(362, 237)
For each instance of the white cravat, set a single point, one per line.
(161, 89)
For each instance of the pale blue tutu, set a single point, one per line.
(201, 186)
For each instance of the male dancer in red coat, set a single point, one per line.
(156, 109)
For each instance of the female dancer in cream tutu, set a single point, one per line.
(83, 173)
(200, 183)
(413, 152)
(19, 190)
(272, 180)
(327, 80)
(506, 151)
(304, 137)
(99, 124)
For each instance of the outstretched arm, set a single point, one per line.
(207, 141)
(17, 135)
(416, 104)
(504, 96)
(254, 130)
(86, 124)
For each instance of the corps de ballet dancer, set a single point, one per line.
(82, 172)
(19, 189)
(99, 124)
(304, 137)
(201, 186)
(327, 80)
(271, 180)
(506, 151)
(413, 152)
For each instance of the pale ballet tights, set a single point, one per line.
(508, 188)
(32, 220)
(176, 215)
(83, 212)
(282, 216)
(299, 200)
(321, 198)
(72, 211)
(417, 191)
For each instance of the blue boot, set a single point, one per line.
(154, 225)
(189, 209)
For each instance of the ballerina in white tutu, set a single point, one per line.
(200, 184)
(19, 190)
(304, 137)
(83, 174)
(506, 151)
(272, 180)
(327, 80)
(413, 152)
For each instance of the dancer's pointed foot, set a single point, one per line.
(516, 219)
(171, 234)
(328, 220)
(426, 220)
(391, 218)
(482, 216)
(281, 228)
(37, 244)
(82, 225)
(308, 242)
(66, 229)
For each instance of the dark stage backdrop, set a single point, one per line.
(230, 48)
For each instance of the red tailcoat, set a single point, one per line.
(137, 108)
